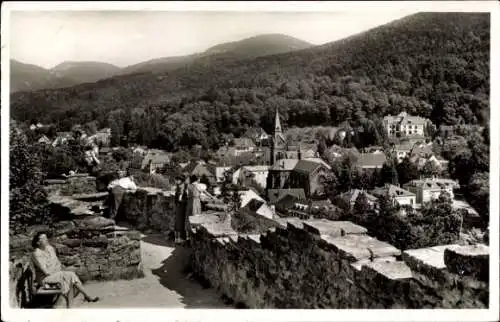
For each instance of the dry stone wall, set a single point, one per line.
(87, 243)
(149, 208)
(319, 263)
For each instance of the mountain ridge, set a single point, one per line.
(77, 72)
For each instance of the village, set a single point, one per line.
(276, 177)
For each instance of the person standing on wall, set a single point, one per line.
(181, 184)
(117, 189)
(193, 202)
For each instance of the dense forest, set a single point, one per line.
(435, 65)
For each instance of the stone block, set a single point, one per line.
(470, 260)
(430, 258)
(357, 247)
(101, 241)
(391, 270)
(63, 227)
(333, 228)
(95, 223)
(72, 242)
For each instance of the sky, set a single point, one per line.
(122, 38)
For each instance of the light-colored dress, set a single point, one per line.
(48, 261)
(194, 203)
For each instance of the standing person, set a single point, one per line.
(117, 189)
(193, 201)
(49, 270)
(180, 208)
(91, 158)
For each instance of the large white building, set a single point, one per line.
(404, 125)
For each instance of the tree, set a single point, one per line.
(389, 173)
(430, 169)
(27, 198)
(407, 171)
(361, 206)
(478, 191)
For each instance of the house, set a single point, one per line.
(344, 129)
(242, 145)
(201, 170)
(155, 160)
(404, 124)
(258, 207)
(309, 175)
(430, 188)
(44, 140)
(286, 203)
(219, 172)
(258, 135)
(258, 173)
(62, 138)
(247, 195)
(446, 131)
(308, 150)
(398, 195)
(141, 150)
(102, 137)
(419, 149)
(370, 161)
(349, 198)
(273, 195)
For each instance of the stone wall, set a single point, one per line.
(149, 209)
(77, 184)
(87, 243)
(319, 263)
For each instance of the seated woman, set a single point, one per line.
(49, 270)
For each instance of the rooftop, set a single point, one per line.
(374, 160)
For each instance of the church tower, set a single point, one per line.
(278, 146)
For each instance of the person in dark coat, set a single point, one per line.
(180, 208)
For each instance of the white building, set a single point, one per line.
(404, 125)
(430, 188)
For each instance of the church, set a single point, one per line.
(290, 170)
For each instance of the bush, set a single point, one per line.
(27, 198)
(152, 180)
(435, 224)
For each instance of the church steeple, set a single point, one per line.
(277, 123)
(278, 147)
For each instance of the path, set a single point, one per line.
(164, 285)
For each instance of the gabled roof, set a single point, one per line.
(254, 205)
(306, 166)
(275, 194)
(256, 168)
(433, 184)
(393, 191)
(319, 160)
(373, 160)
(286, 202)
(156, 157)
(285, 164)
(255, 132)
(352, 195)
(243, 143)
(404, 118)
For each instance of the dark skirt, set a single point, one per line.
(180, 217)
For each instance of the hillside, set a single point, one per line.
(27, 77)
(261, 45)
(431, 64)
(83, 72)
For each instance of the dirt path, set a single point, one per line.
(164, 285)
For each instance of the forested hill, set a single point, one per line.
(432, 64)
